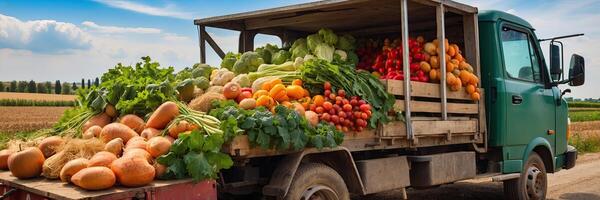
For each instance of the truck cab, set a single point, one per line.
(527, 116)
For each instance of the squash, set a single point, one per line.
(103, 158)
(158, 146)
(49, 145)
(136, 142)
(101, 120)
(93, 131)
(150, 133)
(27, 163)
(133, 171)
(117, 130)
(140, 153)
(4, 154)
(72, 167)
(94, 178)
(115, 146)
(159, 170)
(134, 122)
(265, 101)
(259, 93)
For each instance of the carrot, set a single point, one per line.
(163, 115)
(117, 130)
(134, 122)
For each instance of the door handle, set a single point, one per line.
(516, 99)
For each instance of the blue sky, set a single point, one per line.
(70, 40)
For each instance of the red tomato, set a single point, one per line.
(365, 107)
(347, 107)
(319, 110)
(327, 105)
(342, 93)
(335, 119)
(327, 85)
(326, 117)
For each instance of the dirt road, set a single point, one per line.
(579, 183)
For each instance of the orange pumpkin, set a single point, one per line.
(265, 101)
(260, 93)
(294, 92)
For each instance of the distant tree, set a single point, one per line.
(57, 87)
(1, 86)
(22, 86)
(66, 88)
(41, 88)
(31, 87)
(89, 83)
(74, 87)
(82, 83)
(97, 82)
(48, 86)
(13, 86)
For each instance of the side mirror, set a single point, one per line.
(577, 70)
(555, 65)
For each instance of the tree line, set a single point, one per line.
(46, 87)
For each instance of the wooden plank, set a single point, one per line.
(55, 189)
(202, 44)
(435, 107)
(212, 44)
(421, 89)
(443, 127)
(471, 42)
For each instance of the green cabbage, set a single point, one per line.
(248, 62)
(280, 57)
(328, 36)
(325, 52)
(346, 42)
(313, 40)
(229, 60)
(339, 54)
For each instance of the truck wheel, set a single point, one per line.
(316, 181)
(533, 183)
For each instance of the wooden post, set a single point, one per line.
(406, 67)
(441, 36)
(213, 44)
(246, 42)
(202, 44)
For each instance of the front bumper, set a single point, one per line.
(570, 157)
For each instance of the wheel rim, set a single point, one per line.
(319, 192)
(536, 181)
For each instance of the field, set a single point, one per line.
(22, 119)
(37, 96)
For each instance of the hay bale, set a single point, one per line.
(204, 103)
(73, 149)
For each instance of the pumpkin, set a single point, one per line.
(133, 171)
(140, 153)
(72, 167)
(260, 93)
(94, 178)
(150, 133)
(27, 163)
(101, 120)
(4, 154)
(136, 142)
(134, 122)
(294, 92)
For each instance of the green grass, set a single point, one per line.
(585, 144)
(584, 116)
(582, 104)
(24, 102)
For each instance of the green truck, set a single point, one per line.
(516, 134)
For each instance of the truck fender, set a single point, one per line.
(338, 158)
(543, 148)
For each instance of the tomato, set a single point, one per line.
(345, 128)
(342, 93)
(345, 101)
(327, 105)
(365, 107)
(342, 114)
(312, 107)
(337, 108)
(319, 110)
(338, 127)
(361, 102)
(327, 93)
(332, 96)
(347, 107)
(326, 117)
(364, 116)
(327, 85)
(357, 115)
(332, 112)
(335, 119)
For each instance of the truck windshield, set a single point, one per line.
(520, 60)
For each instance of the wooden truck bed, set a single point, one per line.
(434, 120)
(41, 188)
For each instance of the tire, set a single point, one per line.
(533, 183)
(319, 180)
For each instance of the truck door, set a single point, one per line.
(530, 106)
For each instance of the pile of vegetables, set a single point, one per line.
(384, 59)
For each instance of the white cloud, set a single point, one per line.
(175, 37)
(45, 36)
(115, 29)
(168, 11)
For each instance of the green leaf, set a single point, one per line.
(263, 140)
(196, 141)
(317, 141)
(212, 143)
(177, 169)
(197, 166)
(219, 160)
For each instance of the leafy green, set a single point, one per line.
(328, 36)
(196, 155)
(355, 83)
(202, 70)
(347, 43)
(229, 60)
(248, 62)
(280, 57)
